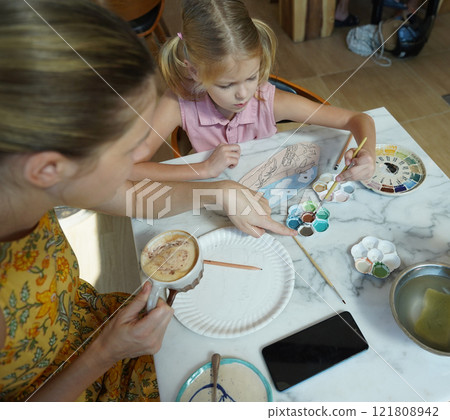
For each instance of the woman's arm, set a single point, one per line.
(126, 335)
(299, 109)
(248, 210)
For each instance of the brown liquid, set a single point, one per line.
(308, 217)
(170, 258)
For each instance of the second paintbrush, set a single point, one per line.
(318, 269)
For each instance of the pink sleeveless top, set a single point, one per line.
(206, 127)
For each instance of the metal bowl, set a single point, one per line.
(420, 305)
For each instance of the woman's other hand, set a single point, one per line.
(250, 211)
(130, 334)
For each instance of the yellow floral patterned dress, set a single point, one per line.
(50, 312)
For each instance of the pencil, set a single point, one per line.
(344, 149)
(232, 265)
(318, 269)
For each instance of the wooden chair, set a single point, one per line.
(180, 141)
(144, 16)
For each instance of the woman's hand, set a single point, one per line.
(250, 211)
(128, 334)
(224, 156)
(362, 166)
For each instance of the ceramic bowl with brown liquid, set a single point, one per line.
(171, 260)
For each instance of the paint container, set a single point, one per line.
(348, 187)
(363, 265)
(326, 178)
(306, 230)
(319, 187)
(303, 218)
(377, 257)
(320, 225)
(308, 217)
(293, 222)
(342, 192)
(309, 206)
(380, 270)
(323, 213)
(340, 196)
(295, 210)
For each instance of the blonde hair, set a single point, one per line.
(50, 98)
(212, 31)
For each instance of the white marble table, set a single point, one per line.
(393, 369)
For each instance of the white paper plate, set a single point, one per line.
(230, 302)
(238, 381)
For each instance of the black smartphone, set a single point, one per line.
(312, 350)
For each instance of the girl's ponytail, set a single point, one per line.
(173, 67)
(268, 42)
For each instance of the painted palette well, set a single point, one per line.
(397, 171)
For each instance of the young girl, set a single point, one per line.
(217, 70)
(67, 138)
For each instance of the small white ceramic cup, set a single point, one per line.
(166, 273)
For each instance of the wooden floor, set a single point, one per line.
(411, 89)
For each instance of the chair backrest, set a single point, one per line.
(288, 86)
(129, 9)
(178, 138)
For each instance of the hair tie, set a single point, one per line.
(180, 35)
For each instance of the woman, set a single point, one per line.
(76, 88)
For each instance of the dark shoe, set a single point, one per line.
(350, 20)
(395, 4)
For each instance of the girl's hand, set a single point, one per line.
(128, 334)
(250, 211)
(362, 166)
(224, 156)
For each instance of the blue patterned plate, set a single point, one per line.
(238, 381)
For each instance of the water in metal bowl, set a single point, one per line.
(420, 303)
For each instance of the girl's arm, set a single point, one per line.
(166, 118)
(224, 156)
(126, 335)
(288, 106)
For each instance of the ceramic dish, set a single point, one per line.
(238, 381)
(376, 257)
(397, 171)
(304, 218)
(342, 192)
(230, 302)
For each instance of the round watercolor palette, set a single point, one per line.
(397, 170)
(374, 256)
(304, 218)
(342, 192)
